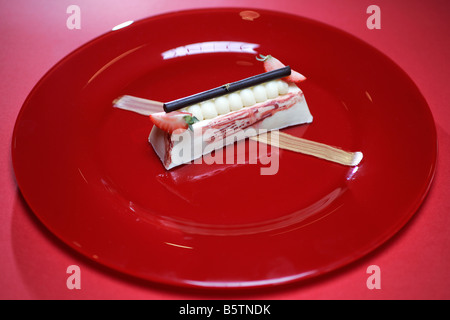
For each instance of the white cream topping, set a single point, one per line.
(271, 90)
(196, 111)
(283, 87)
(248, 98)
(209, 110)
(238, 100)
(222, 105)
(235, 101)
(260, 93)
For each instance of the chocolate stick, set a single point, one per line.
(227, 88)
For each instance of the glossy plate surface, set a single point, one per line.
(87, 171)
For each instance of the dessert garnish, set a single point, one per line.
(255, 108)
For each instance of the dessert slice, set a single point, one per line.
(188, 133)
(196, 125)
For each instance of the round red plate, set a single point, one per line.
(87, 171)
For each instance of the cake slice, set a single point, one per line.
(196, 125)
(187, 134)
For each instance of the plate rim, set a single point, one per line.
(389, 235)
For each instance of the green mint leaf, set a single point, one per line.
(190, 121)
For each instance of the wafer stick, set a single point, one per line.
(308, 147)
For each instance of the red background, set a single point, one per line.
(414, 264)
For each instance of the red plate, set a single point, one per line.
(88, 173)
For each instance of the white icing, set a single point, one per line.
(196, 111)
(259, 93)
(208, 110)
(271, 89)
(222, 105)
(248, 98)
(235, 101)
(283, 87)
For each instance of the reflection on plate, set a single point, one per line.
(88, 173)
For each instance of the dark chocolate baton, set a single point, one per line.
(227, 88)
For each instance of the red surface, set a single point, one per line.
(96, 183)
(34, 261)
